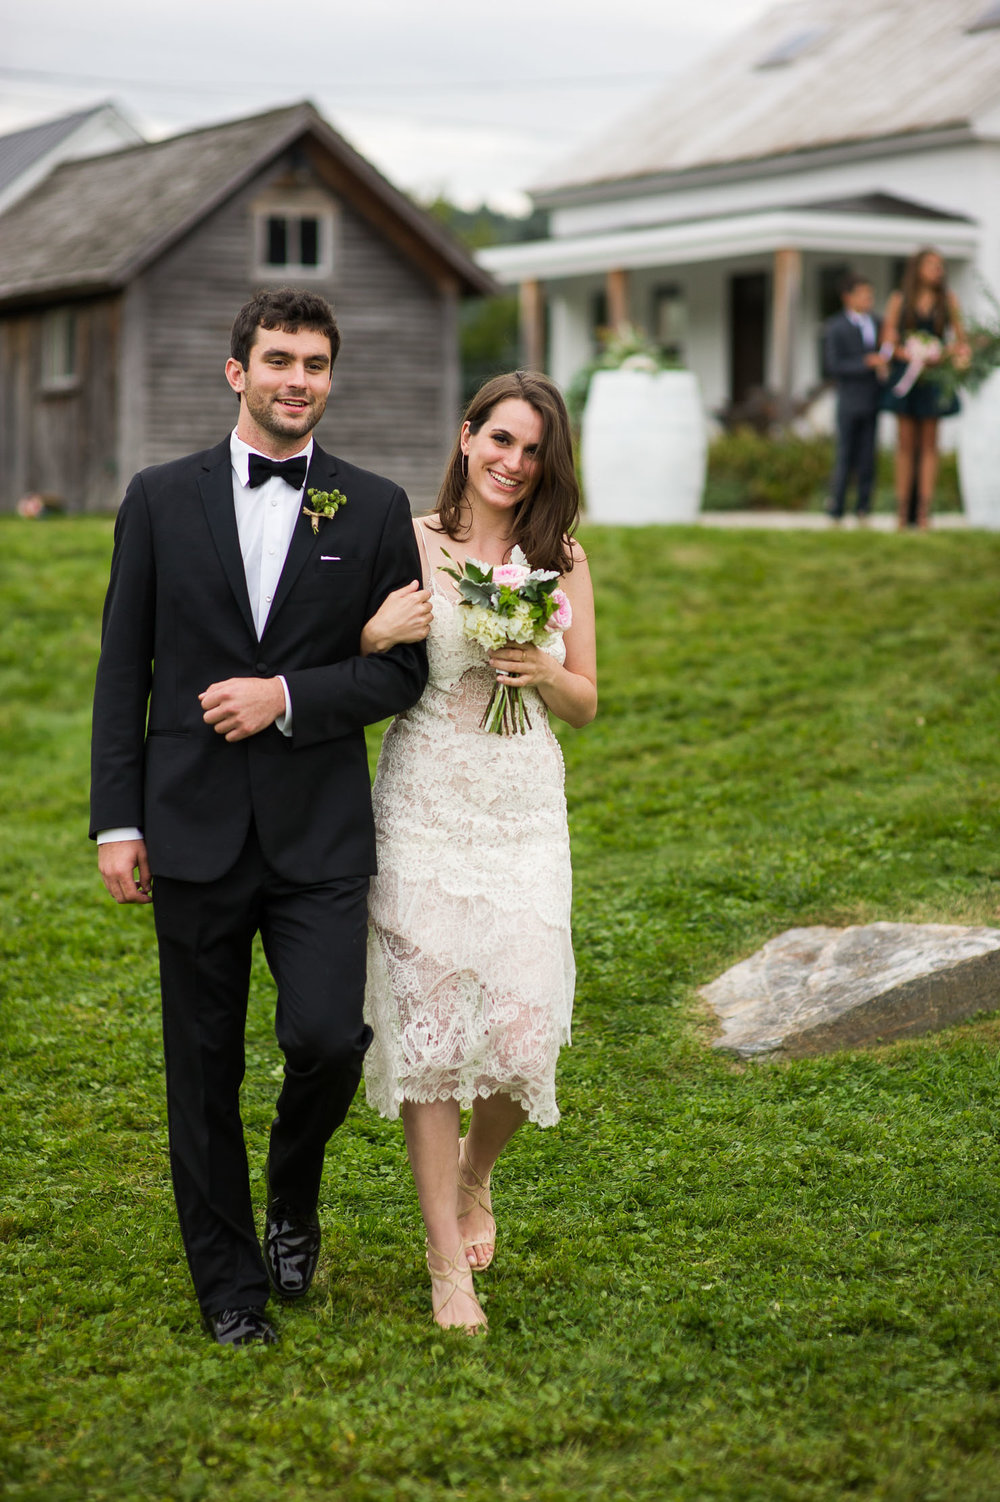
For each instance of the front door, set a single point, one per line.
(748, 299)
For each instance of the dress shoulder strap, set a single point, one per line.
(426, 544)
(418, 527)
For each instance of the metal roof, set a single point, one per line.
(22, 148)
(807, 75)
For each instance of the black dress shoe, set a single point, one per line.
(242, 1327)
(291, 1250)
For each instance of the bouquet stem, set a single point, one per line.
(506, 713)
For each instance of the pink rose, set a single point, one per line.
(512, 574)
(562, 617)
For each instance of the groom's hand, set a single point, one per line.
(240, 707)
(119, 861)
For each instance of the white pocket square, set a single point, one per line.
(329, 558)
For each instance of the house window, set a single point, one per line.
(598, 320)
(792, 47)
(294, 241)
(831, 279)
(59, 350)
(670, 321)
(989, 20)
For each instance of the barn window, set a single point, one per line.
(60, 371)
(294, 241)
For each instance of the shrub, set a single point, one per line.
(749, 471)
(621, 348)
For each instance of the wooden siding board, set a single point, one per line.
(62, 442)
(15, 387)
(134, 388)
(153, 385)
(385, 410)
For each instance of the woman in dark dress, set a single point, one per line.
(923, 327)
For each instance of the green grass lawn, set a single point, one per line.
(713, 1281)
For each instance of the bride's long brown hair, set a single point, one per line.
(544, 522)
(911, 284)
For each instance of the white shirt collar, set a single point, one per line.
(240, 453)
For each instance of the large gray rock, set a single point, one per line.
(813, 990)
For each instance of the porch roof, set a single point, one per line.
(890, 228)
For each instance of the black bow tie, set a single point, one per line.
(292, 471)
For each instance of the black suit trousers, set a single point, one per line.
(856, 429)
(315, 940)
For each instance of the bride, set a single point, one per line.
(470, 965)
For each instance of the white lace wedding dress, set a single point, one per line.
(470, 964)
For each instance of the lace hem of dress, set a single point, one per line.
(449, 1025)
(541, 1112)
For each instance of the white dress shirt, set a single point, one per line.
(265, 521)
(866, 323)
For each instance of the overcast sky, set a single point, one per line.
(474, 101)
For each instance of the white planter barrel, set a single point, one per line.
(643, 447)
(979, 454)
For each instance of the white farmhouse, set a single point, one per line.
(829, 135)
(28, 156)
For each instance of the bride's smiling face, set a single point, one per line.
(503, 455)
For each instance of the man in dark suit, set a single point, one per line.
(230, 783)
(852, 358)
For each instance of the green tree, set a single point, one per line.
(488, 326)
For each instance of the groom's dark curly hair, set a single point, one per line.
(285, 308)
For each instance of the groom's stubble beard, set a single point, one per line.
(262, 408)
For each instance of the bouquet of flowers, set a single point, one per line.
(919, 351)
(508, 602)
(979, 356)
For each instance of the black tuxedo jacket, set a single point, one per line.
(177, 618)
(858, 387)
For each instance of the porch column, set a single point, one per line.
(532, 320)
(616, 290)
(784, 324)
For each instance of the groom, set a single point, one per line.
(230, 783)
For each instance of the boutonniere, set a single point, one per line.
(325, 503)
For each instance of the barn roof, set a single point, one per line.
(92, 225)
(806, 75)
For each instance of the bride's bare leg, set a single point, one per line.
(927, 449)
(432, 1143)
(493, 1123)
(906, 451)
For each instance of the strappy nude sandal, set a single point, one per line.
(454, 1271)
(476, 1192)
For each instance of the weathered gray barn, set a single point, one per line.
(120, 276)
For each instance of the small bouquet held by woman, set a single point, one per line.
(508, 602)
(919, 352)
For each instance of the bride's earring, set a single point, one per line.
(465, 466)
